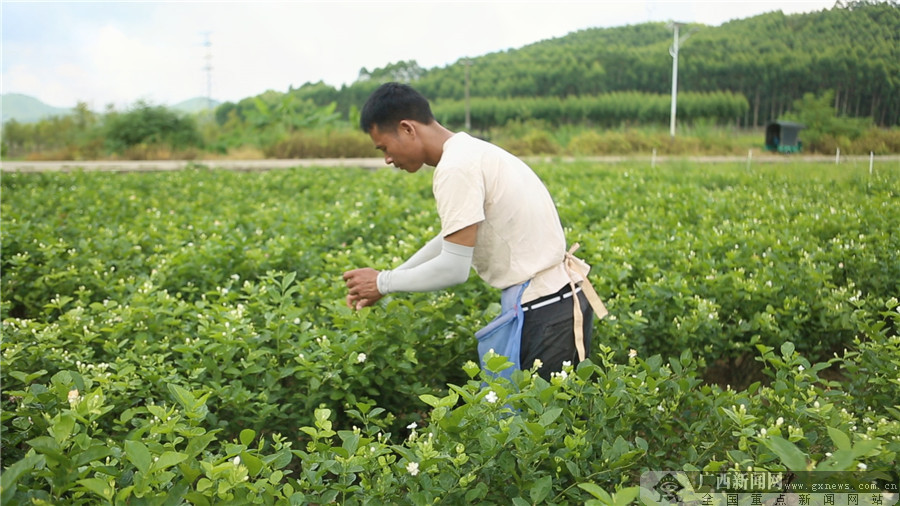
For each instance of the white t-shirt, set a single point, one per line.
(520, 237)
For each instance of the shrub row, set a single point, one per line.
(608, 110)
(587, 436)
(197, 317)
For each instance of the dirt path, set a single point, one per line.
(377, 163)
(170, 165)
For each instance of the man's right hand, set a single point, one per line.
(362, 288)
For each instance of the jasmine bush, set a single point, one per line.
(181, 337)
(588, 431)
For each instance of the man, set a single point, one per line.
(496, 216)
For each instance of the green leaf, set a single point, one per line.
(253, 463)
(626, 496)
(11, 475)
(62, 426)
(430, 400)
(596, 491)
(99, 487)
(204, 484)
(27, 378)
(550, 416)
(790, 455)
(840, 460)
(168, 459)
(498, 364)
(247, 436)
(841, 441)
(138, 454)
(477, 492)
(280, 459)
(619, 448)
(863, 447)
(93, 453)
(471, 369)
(787, 350)
(676, 365)
(183, 396)
(350, 441)
(287, 280)
(541, 489)
(49, 447)
(641, 443)
(197, 444)
(535, 428)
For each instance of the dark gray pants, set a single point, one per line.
(548, 334)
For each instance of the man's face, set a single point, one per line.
(401, 147)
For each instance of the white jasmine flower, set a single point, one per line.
(632, 353)
(861, 466)
(296, 321)
(237, 460)
(412, 468)
(412, 426)
(73, 396)
(800, 368)
(538, 364)
(491, 397)
(361, 358)
(779, 422)
(567, 363)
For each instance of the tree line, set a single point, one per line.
(743, 73)
(773, 59)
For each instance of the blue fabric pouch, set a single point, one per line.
(504, 333)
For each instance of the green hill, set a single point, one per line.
(772, 59)
(195, 105)
(25, 109)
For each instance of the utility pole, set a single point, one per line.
(673, 50)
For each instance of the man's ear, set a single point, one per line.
(406, 127)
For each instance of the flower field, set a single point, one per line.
(181, 337)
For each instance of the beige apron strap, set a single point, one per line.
(573, 265)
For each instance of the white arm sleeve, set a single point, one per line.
(430, 250)
(450, 267)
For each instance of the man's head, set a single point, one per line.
(392, 103)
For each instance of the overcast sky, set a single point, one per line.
(120, 52)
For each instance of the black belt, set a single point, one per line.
(540, 302)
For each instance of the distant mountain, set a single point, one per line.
(194, 105)
(25, 109)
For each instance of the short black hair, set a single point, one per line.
(392, 103)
